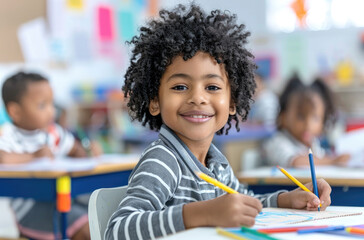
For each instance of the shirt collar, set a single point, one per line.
(213, 154)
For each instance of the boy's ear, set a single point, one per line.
(232, 109)
(154, 109)
(14, 111)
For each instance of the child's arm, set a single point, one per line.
(229, 210)
(79, 151)
(326, 160)
(300, 199)
(144, 213)
(17, 158)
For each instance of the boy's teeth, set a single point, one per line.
(198, 116)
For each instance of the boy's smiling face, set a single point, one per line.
(194, 98)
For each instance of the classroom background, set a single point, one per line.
(80, 46)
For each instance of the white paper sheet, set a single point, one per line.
(283, 216)
(33, 40)
(352, 143)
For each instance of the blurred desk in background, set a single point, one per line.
(232, 145)
(139, 141)
(41, 185)
(347, 183)
(246, 142)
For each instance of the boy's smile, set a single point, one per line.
(194, 99)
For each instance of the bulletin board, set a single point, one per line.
(12, 15)
(266, 66)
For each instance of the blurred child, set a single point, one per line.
(306, 111)
(191, 77)
(28, 99)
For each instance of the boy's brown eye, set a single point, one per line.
(179, 88)
(213, 88)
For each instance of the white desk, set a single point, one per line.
(210, 233)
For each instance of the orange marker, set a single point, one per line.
(355, 230)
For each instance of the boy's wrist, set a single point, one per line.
(284, 200)
(196, 214)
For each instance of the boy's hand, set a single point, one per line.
(300, 199)
(45, 151)
(229, 210)
(234, 210)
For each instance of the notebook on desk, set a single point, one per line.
(283, 216)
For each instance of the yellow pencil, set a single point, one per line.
(229, 234)
(215, 182)
(303, 187)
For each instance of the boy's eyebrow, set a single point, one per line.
(183, 75)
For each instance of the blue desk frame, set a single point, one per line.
(44, 189)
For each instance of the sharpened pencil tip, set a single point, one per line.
(310, 151)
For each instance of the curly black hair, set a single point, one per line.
(184, 31)
(16, 86)
(295, 87)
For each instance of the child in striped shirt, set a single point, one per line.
(191, 77)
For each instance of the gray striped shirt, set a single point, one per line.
(162, 182)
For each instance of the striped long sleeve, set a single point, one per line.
(145, 212)
(162, 182)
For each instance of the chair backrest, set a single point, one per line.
(102, 204)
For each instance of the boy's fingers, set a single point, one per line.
(324, 188)
(251, 211)
(325, 191)
(312, 201)
(254, 203)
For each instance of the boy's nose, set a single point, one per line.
(197, 97)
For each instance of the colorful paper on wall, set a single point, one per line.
(75, 4)
(126, 25)
(153, 7)
(140, 3)
(33, 40)
(56, 18)
(81, 46)
(294, 55)
(105, 24)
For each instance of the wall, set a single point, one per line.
(303, 50)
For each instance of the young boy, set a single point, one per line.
(28, 99)
(190, 75)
